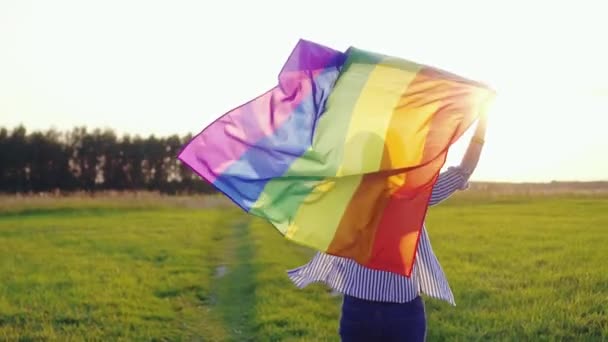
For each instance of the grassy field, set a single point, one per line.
(154, 269)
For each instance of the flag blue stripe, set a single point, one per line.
(272, 156)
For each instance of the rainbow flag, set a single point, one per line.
(342, 155)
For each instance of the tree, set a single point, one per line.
(91, 161)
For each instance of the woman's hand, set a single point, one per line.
(480, 132)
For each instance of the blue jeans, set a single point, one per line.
(364, 320)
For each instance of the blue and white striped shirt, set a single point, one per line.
(350, 278)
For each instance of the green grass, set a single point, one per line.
(521, 268)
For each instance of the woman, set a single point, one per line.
(383, 306)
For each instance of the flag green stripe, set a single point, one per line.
(281, 197)
(318, 218)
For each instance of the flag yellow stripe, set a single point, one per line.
(365, 143)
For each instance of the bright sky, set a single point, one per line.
(164, 67)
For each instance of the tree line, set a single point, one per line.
(93, 160)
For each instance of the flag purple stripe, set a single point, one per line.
(239, 130)
(245, 179)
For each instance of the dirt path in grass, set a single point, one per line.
(234, 282)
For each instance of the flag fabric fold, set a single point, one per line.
(342, 155)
